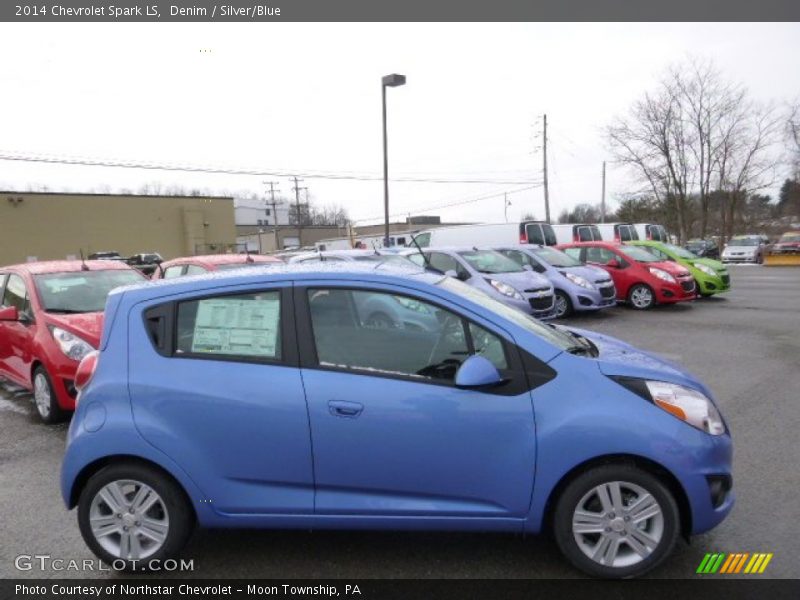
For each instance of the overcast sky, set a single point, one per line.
(306, 98)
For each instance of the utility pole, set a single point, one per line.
(544, 171)
(274, 205)
(298, 215)
(603, 197)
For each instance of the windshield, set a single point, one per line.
(549, 333)
(790, 237)
(682, 252)
(744, 241)
(81, 291)
(490, 262)
(556, 258)
(696, 245)
(639, 254)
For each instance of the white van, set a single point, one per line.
(652, 231)
(487, 235)
(618, 232)
(566, 233)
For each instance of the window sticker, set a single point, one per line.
(236, 326)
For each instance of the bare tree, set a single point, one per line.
(793, 135)
(746, 162)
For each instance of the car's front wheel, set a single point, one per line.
(563, 305)
(616, 521)
(44, 397)
(641, 297)
(132, 514)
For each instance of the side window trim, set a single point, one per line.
(517, 381)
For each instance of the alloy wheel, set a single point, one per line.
(642, 297)
(618, 524)
(129, 519)
(42, 395)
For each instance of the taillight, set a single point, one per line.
(523, 238)
(86, 369)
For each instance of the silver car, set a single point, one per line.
(745, 249)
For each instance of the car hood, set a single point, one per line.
(590, 273)
(87, 326)
(730, 248)
(620, 358)
(709, 262)
(523, 280)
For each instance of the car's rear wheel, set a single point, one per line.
(131, 514)
(616, 521)
(44, 397)
(563, 305)
(641, 297)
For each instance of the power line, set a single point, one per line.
(452, 204)
(231, 171)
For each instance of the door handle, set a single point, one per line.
(344, 408)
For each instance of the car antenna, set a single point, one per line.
(84, 266)
(424, 258)
(321, 257)
(249, 258)
(375, 248)
(160, 270)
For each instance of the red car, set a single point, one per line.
(641, 279)
(51, 316)
(197, 265)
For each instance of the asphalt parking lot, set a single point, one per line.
(745, 345)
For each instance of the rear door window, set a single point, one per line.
(195, 270)
(533, 232)
(242, 325)
(174, 271)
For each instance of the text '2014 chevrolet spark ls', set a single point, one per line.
(260, 399)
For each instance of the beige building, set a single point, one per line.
(49, 226)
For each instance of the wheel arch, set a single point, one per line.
(646, 464)
(94, 467)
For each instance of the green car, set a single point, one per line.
(711, 275)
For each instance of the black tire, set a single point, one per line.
(560, 295)
(46, 407)
(178, 509)
(637, 305)
(582, 485)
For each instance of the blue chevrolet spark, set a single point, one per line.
(259, 398)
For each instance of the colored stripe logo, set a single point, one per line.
(733, 563)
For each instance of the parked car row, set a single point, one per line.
(51, 312)
(219, 387)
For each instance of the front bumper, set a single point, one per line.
(707, 284)
(668, 293)
(740, 259)
(589, 300)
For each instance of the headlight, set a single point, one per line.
(705, 269)
(661, 274)
(688, 405)
(578, 280)
(71, 345)
(505, 289)
(411, 304)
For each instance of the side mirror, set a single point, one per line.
(9, 313)
(451, 273)
(476, 372)
(613, 263)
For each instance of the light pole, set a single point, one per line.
(393, 80)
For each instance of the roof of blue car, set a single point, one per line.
(303, 271)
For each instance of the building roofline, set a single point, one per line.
(21, 193)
